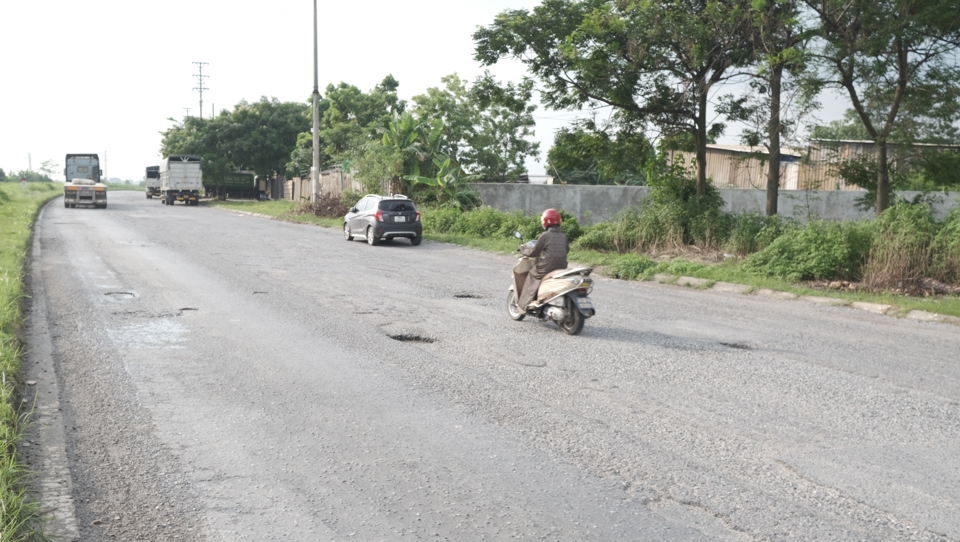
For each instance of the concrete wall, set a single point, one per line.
(592, 204)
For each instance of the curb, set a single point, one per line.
(743, 289)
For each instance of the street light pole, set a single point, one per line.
(315, 170)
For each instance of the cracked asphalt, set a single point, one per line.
(206, 375)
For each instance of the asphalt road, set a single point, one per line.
(208, 375)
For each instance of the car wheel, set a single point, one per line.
(371, 238)
(416, 240)
(346, 232)
(513, 308)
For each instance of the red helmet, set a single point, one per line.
(550, 217)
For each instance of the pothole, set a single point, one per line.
(259, 293)
(467, 296)
(738, 346)
(120, 295)
(411, 338)
(187, 311)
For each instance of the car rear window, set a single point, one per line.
(397, 206)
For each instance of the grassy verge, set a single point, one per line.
(633, 266)
(280, 209)
(19, 516)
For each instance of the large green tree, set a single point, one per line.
(585, 153)
(896, 60)
(655, 62)
(487, 126)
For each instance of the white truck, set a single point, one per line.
(180, 179)
(151, 181)
(82, 184)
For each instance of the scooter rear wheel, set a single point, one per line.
(573, 323)
(513, 308)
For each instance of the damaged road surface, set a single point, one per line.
(205, 375)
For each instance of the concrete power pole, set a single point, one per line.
(315, 170)
(201, 88)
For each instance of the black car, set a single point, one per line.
(383, 217)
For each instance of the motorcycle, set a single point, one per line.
(563, 295)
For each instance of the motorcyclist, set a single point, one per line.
(550, 254)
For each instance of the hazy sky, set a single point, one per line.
(105, 76)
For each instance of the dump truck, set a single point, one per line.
(82, 184)
(180, 179)
(152, 181)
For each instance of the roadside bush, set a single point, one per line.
(597, 237)
(821, 250)
(326, 206)
(946, 249)
(901, 253)
(570, 226)
(753, 232)
(630, 266)
(674, 215)
(483, 222)
(440, 219)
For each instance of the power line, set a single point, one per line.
(200, 86)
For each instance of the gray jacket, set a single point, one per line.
(550, 252)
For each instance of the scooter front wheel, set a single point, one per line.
(513, 307)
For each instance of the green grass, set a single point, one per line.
(280, 209)
(19, 516)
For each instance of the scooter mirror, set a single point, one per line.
(518, 235)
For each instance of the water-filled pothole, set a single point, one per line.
(120, 295)
(411, 338)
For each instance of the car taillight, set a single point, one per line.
(418, 216)
(378, 216)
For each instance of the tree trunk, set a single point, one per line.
(883, 177)
(700, 139)
(773, 174)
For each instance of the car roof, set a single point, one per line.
(391, 196)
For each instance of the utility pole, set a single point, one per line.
(187, 109)
(201, 88)
(315, 170)
(29, 162)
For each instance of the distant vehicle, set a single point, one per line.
(153, 181)
(82, 184)
(379, 218)
(240, 185)
(180, 179)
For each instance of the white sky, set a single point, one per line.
(103, 76)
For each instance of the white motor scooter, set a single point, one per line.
(562, 296)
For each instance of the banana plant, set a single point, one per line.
(450, 184)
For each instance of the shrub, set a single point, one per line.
(821, 250)
(440, 219)
(597, 237)
(901, 252)
(752, 232)
(946, 249)
(631, 266)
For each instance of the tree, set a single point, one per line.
(779, 41)
(896, 61)
(486, 127)
(655, 62)
(260, 136)
(208, 139)
(849, 128)
(588, 154)
(3, 176)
